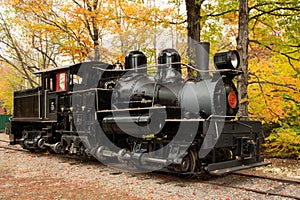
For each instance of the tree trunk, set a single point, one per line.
(193, 27)
(96, 33)
(96, 41)
(242, 47)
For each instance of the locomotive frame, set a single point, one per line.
(65, 113)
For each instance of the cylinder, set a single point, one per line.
(140, 125)
(202, 58)
(204, 98)
(166, 69)
(136, 61)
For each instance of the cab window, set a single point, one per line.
(75, 79)
(61, 81)
(49, 84)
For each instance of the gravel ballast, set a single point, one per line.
(25, 175)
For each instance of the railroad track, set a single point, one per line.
(267, 177)
(12, 148)
(271, 186)
(6, 146)
(6, 141)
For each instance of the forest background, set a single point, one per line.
(42, 34)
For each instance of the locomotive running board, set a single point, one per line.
(234, 165)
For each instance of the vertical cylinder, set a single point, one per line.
(136, 61)
(202, 58)
(170, 70)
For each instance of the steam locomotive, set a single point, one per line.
(141, 118)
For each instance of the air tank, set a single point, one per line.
(136, 61)
(166, 69)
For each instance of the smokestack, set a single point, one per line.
(202, 58)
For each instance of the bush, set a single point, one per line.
(283, 142)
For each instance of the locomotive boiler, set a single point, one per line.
(142, 119)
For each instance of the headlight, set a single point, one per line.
(227, 60)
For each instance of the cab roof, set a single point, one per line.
(64, 68)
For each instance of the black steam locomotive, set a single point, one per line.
(141, 118)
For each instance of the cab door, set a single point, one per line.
(51, 87)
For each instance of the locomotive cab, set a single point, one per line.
(40, 111)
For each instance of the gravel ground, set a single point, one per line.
(25, 175)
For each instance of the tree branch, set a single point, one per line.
(262, 91)
(290, 86)
(271, 12)
(270, 3)
(290, 58)
(221, 14)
